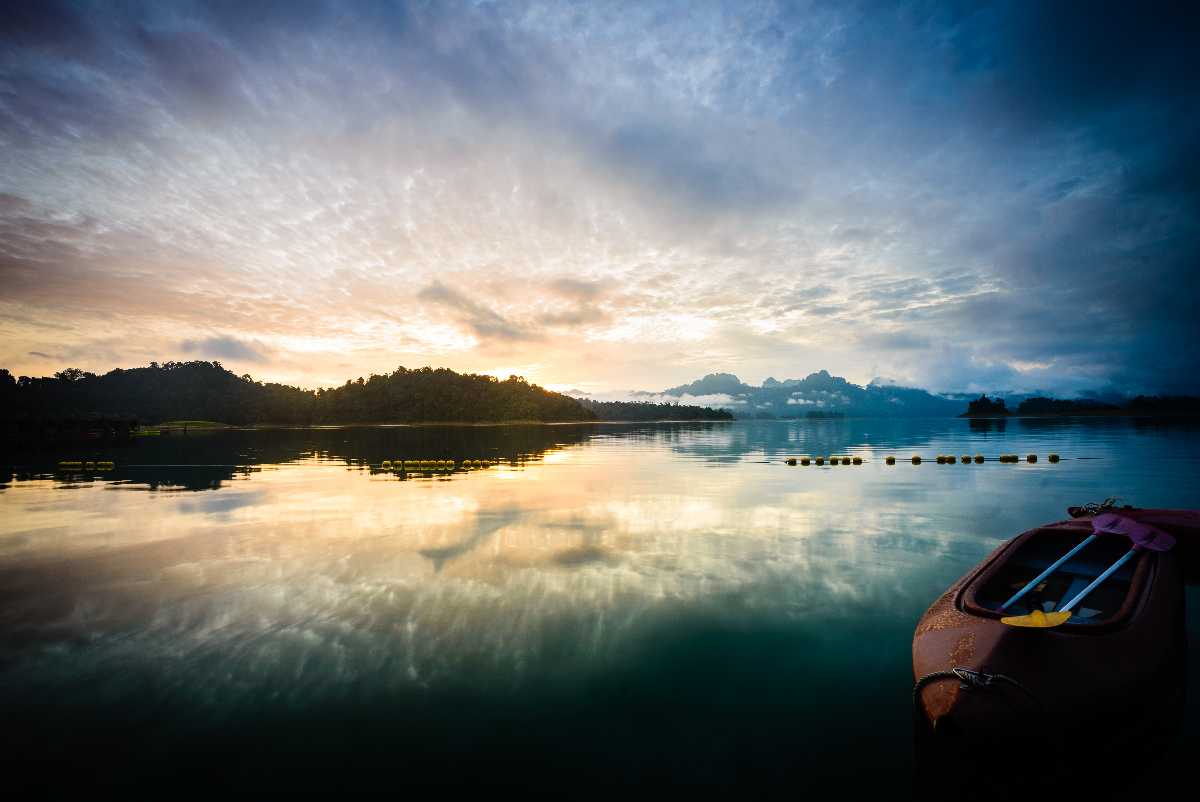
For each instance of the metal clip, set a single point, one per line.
(972, 679)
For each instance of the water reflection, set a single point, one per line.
(623, 601)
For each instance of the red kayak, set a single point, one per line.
(1106, 672)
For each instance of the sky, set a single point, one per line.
(606, 196)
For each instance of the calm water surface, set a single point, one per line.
(266, 611)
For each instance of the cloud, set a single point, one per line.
(224, 347)
(624, 197)
(482, 321)
(577, 289)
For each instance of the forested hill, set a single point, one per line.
(207, 391)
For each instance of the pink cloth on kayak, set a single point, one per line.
(1143, 535)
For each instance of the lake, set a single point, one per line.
(267, 611)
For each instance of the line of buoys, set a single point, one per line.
(86, 465)
(941, 459)
(435, 465)
(833, 460)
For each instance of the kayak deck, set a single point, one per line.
(1105, 605)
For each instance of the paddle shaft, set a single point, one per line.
(1107, 573)
(1053, 567)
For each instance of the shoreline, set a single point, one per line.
(253, 426)
(1120, 413)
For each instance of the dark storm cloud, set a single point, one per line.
(1099, 266)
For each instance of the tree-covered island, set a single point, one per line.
(206, 391)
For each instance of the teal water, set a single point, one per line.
(668, 604)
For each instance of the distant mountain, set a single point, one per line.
(712, 384)
(817, 392)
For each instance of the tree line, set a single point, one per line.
(648, 411)
(200, 390)
(1146, 405)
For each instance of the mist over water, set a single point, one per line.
(267, 611)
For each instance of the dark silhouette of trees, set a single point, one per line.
(984, 406)
(207, 391)
(1164, 405)
(1039, 405)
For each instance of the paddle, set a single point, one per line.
(1051, 569)
(1143, 536)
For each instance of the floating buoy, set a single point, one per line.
(916, 460)
(951, 459)
(1052, 457)
(941, 459)
(890, 460)
(1031, 458)
(965, 459)
(978, 459)
(858, 460)
(387, 465)
(805, 460)
(820, 460)
(790, 460)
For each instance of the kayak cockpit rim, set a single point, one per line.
(983, 594)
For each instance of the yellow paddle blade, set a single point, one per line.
(1036, 619)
